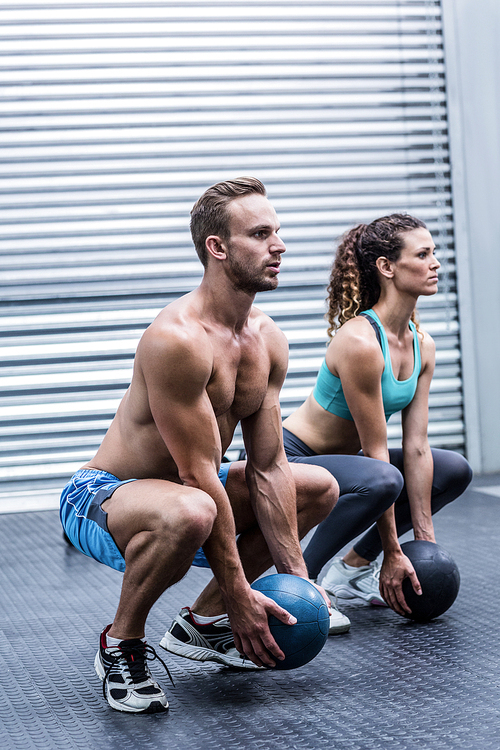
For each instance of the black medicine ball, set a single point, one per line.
(438, 576)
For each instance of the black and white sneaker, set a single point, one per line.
(127, 683)
(212, 642)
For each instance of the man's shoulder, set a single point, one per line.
(262, 319)
(176, 317)
(175, 332)
(267, 327)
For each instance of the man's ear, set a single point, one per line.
(385, 267)
(215, 246)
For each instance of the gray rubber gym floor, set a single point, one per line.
(388, 684)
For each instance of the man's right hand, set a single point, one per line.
(249, 622)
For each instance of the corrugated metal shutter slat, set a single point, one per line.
(115, 117)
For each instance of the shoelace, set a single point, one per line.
(334, 601)
(137, 666)
(376, 570)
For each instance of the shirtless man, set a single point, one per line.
(156, 491)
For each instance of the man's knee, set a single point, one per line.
(329, 491)
(197, 512)
(184, 523)
(173, 533)
(317, 489)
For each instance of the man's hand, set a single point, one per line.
(323, 594)
(249, 622)
(395, 568)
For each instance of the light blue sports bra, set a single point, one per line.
(396, 394)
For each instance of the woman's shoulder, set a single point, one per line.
(357, 331)
(427, 347)
(355, 341)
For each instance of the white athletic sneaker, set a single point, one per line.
(359, 583)
(339, 623)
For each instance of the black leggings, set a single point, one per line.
(369, 487)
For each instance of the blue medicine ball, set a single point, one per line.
(303, 641)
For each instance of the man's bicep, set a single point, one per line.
(279, 361)
(185, 422)
(262, 431)
(176, 381)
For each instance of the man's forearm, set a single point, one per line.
(222, 554)
(274, 501)
(220, 548)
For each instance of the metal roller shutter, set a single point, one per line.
(116, 116)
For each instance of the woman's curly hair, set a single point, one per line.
(354, 284)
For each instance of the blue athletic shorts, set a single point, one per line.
(85, 522)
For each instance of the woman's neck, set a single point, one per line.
(395, 315)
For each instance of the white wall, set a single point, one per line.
(472, 54)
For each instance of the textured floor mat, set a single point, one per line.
(388, 684)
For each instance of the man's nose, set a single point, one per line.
(278, 245)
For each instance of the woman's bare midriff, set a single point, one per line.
(322, 432)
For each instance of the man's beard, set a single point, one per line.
(246, 279)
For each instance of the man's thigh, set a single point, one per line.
(310, 481)
(144, 504)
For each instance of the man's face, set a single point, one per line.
(254, 248)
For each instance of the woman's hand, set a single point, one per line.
(395, 568)
(426, 535)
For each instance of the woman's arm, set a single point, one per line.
(360, 369)
(419, 469)
(418, 463)
(355, 356)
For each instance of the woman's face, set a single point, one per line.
(416, 269)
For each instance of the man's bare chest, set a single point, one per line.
(238, 388)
